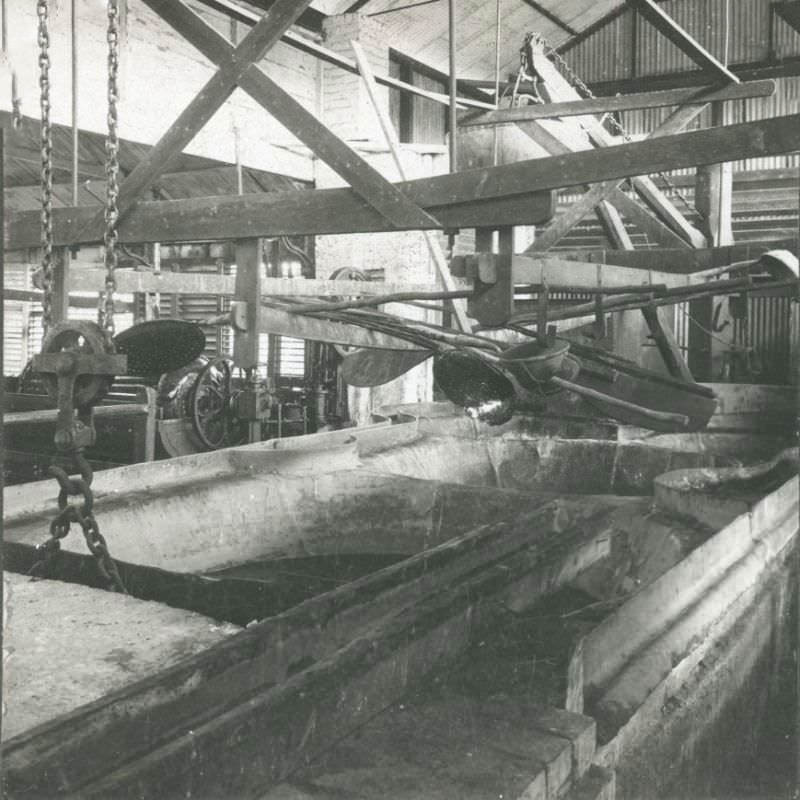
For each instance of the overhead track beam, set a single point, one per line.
(364, 179)
(681, 39)
(458, 200)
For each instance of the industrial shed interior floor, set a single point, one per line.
(99, 641)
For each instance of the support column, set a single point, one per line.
(714, 201)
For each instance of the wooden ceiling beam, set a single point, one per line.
(547, 14)
(681, 39)
(266, 33)
(560, 89)
(364, 179)
(601, 105)
(462, 199)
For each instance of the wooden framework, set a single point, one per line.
(509, 194)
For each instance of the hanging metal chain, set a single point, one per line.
(47, 165)
(106, 315)
(576, 81)
(84, 516)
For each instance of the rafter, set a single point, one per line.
(547, 14)
(681, 39)
(266, 33)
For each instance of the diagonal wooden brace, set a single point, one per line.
(381, 194)
(206, 102)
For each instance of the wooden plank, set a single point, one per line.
(666, 344)
(453, 198)
(601, 105)
(681, 261)
(267, 32)
(366, 181)
(613, 226)
(651, 226)
(257, 659)
(244, 748)
(393, 142)
(90, 279)
(660, 20)
(45, 415)
(676, 122)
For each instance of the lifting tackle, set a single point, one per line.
(78, 359)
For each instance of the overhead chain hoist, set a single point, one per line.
(78, 359)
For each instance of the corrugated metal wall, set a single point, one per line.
(755, 34)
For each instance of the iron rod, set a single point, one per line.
(74, 37)
(451, 19)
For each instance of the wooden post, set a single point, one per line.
(248, 291)
(714, 201)
(667, 346)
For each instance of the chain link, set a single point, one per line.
(106, 315)
(47, 166)
(576, 81)
(82, 514)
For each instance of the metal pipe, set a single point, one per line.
(74, 33)
(451, 28)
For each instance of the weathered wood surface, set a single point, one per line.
(667, 344)
(681, 261)
(266, 33)
(660, 204)
(89, 278)
(263, 658)
(463, 199)
(602, 105)
(382, 195)
(266, 737)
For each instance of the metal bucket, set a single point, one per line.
(533, 363)
(474, 383)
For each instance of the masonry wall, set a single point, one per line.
(160, 72)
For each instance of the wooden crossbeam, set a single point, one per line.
(661, 205)
(461, 199)
(368, 182)
(91, 278)
(602, 105)
(656, 230)
(681, 261)
(633, 211)
(660, 20)
(613, 225)
(206, 102)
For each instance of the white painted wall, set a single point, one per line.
(160, 72)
